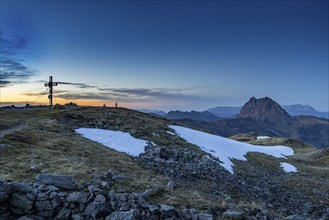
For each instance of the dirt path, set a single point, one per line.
(15, 128)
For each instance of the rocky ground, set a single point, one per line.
(171, 180)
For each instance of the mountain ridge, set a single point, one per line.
(195, 115)
(292, 110)
(268, 117)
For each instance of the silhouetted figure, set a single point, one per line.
(116, 104)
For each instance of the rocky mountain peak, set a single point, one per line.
(264, 109)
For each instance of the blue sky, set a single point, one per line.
(166, 54)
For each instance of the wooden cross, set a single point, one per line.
(50, 84)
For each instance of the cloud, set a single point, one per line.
(122, 94)
(12, 69)
(79, 85)
(161, 97)
(152, 94)
(35, 93)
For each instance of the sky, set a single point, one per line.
(165, 55)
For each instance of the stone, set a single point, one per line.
(232, 215)
(77, 217)
(110, 174)
(171, 185)
(98, 209)
(53, 195)
(99, 198)
(55, 202)
(60, 181)
(3, 197)
(21, 187)
(21, 201)
(30, 196)
(46, 213)
(24, 218)
(153, 208)
(42, 196)
(94, 189)
(43, 205)
(105, 185)
(78, 197)
(35, 168)
(127, 215)
(17, 211)
(202, 216)
(112, 195)
(63, 214)
(168, 211)
(296, 217)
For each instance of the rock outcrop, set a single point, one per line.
(23, 200)
(264, 109)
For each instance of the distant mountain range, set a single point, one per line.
(194, 115)
(226, 112)
(152, 112)
(298, 109)
(293, 110)
(264, 116)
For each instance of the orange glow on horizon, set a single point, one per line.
(79, 102)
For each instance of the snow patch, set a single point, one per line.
(262, 137)
(169, 132)
(226, 149)
(117, 140)
(287, 167)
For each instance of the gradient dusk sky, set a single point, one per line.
(165, 55)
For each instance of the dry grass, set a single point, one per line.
(48, 143)
(51, 146)
(298, 146)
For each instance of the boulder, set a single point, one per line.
(43, 205)
(78, 197)
(99, 198)
(60, 181)
(98, 209)
(21, 201)
(127, 215)
(3, 197)
(202, 216)
(63, 214)
(21, 187)
(232, 215)
(168, 211)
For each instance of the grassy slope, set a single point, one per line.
(312, 164)
(46, 139)
(52, 146)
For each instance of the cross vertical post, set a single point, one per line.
(50, 85)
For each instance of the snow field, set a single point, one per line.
(224, 149)
(117, 140)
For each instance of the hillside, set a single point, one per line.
(265, 116)
(175, 175)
